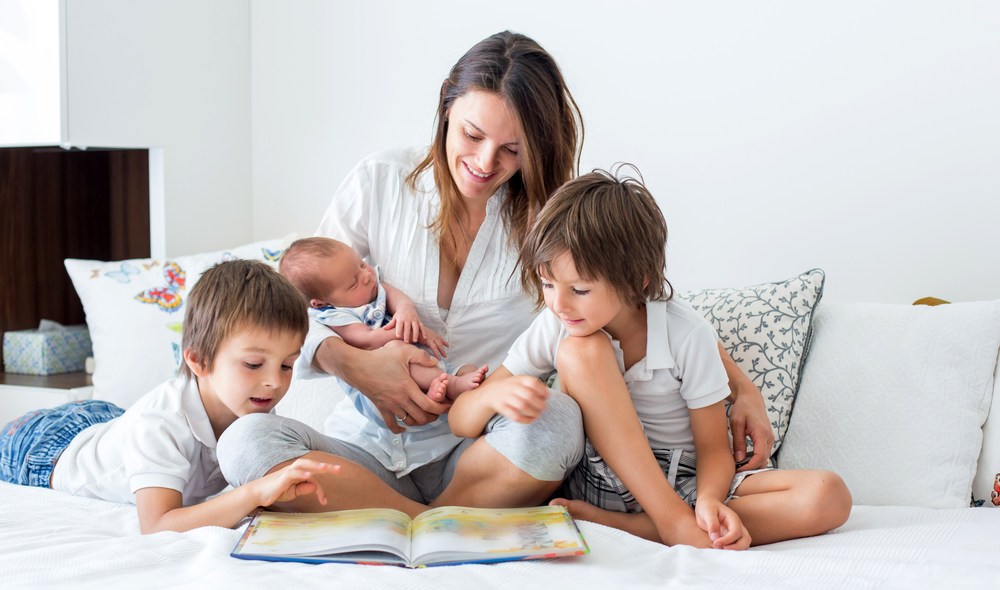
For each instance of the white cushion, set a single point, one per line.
(986, 484)
(134, 310)
(893, 398)
(766, 328)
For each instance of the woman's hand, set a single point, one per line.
(747, 417)
(383, 376)
(724, 527)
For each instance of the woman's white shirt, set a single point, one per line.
(387, 223)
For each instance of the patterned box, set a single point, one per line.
(46, 352)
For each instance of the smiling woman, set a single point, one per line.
(441, 225)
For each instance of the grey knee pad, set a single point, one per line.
(548, 448)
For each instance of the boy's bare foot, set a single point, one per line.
(466, 378)
(438, 389)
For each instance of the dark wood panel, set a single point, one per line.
(57, 204)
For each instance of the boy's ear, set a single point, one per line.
(317, 303)
(194, 363)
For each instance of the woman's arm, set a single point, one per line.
(383, 376)
(715, 470)
(162, 509)
(747, 417)
(521, 398)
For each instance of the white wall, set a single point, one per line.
(29, 72)
(172, 75)
(861, 137)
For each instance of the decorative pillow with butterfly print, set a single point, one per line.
(135, 309)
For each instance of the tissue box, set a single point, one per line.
(46, 352)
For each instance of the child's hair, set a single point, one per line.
(612, 228)
(237, 295)
(302, 264)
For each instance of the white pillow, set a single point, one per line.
(893, 399)
(766, 328)
(986, 484)
(134, 310)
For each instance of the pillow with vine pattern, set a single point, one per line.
(767, 329)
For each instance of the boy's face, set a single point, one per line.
(350, 281)
(251, 373)
(584, 307)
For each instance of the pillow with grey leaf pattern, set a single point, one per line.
(767, 329)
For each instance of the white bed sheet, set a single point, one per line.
(49, 539)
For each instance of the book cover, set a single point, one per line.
(440, 536)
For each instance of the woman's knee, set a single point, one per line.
(255, 443)
(827, 500)
(548, 448)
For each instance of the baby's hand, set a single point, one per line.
(292, 481)
(723, 525)
(434, 342)
(520, 397)
(407, 324)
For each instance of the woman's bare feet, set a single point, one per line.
(638, 523)
(467, 377)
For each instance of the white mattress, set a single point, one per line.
(50, 539)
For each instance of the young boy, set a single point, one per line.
(243, 328)
(345, 294)
(645, 370)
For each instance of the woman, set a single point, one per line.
(443, 227)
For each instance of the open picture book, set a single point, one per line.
(440, 536)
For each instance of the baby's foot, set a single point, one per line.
(438, 389)
(466, 378)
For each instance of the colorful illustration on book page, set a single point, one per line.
(309, 534)
(494, 531)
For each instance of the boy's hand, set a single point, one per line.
(520, 397)
(292, 481)
(724, 527)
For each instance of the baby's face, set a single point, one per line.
(350, 281)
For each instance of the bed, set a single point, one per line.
(897, 399)
(51, 540)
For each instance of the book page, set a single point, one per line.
(296, 534)
(476, 534)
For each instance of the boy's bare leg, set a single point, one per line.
(353, 487)
(589, 372)
(781, 505)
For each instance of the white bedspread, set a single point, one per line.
(49, 539)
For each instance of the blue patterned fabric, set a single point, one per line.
(31, 444)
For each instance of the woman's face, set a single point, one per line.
(483, 143)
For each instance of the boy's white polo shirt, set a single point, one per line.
(165, 440)
(682, 369)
